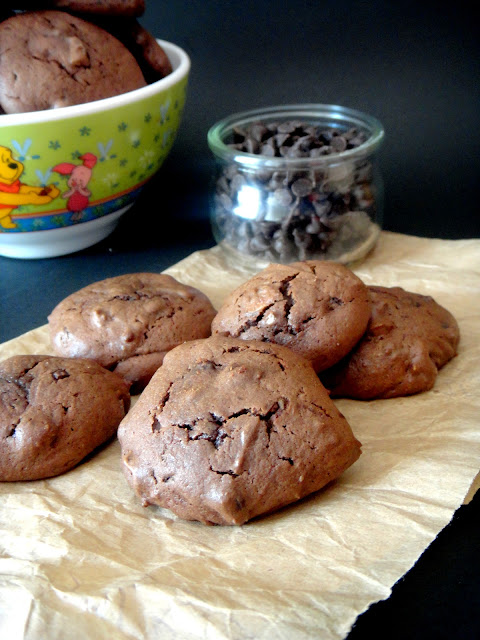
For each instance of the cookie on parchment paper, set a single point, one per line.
(410, 337)
(229, 429)
(54, 412)
(129, 322)
(318, 309)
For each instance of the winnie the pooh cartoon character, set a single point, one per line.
(14, 193)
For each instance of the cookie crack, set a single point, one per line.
(12, 429)
(285, 291)
(209, 365)
(62, 67)
(253, 321)
(264, 352)
(218, 435)
(131, 297)
(228, 472)
(22, 384)
(156, 424)
(322, 409)
(335, 302)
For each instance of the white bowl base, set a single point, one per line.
(59, 242)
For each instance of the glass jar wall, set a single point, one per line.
(297, 182)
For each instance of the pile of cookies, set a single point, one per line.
(235, 416)
(58, 53)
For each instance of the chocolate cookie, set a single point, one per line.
(54, 412)
(52, 59)
(228, 430)
(408, 339)
(150, 56)
(128, 323)
(318, 309)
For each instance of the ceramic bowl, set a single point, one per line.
(67, 175)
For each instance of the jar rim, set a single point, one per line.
(324, 114)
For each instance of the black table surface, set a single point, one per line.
(415, 66)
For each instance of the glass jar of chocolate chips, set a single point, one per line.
(297, 182)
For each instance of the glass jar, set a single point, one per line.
(297, 182)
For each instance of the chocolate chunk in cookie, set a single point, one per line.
(52, 59)
(228, 430)
(129, 322)
(408, 339)
(54, 412)
(318, 309)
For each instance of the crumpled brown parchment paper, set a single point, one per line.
(80, 558)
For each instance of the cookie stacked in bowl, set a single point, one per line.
(91, 115)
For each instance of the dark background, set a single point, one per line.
(413, 65)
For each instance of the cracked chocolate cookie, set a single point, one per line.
(408, 339)
(52, 59)
(228, 430)
(128, 323)
(54, 412)
(316, 308)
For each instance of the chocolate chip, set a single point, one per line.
(286, 127)
(251, 145)
(258, 132)
(281, 139)
(267, 149)
(338, 144)
(302, 187)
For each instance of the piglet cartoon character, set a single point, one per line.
(77, 195)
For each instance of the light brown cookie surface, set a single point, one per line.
(54, 412)
(318, 309)
(51, 59)
(127, 323)
(228, 429)
(408, 339)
